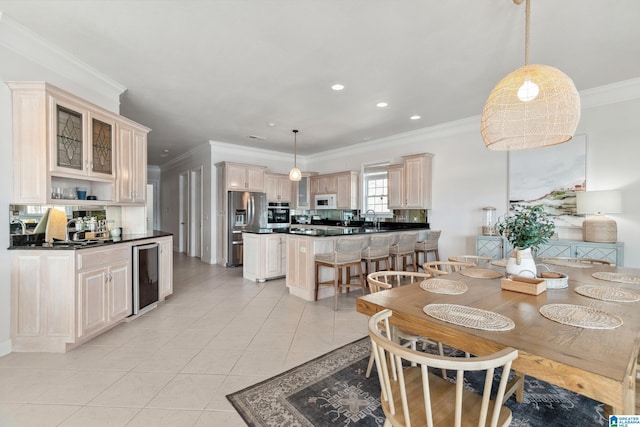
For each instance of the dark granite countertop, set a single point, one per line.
(93, 243)
(340, 231)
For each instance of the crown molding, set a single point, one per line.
(220, 148)
(622, 91)
(24, 42)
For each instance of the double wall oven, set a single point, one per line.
(278, 215)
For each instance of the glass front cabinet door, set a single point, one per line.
(84, 142)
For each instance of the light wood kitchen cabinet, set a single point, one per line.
(347, 195)
(63, 141)
(239, 177)
(278, 188)
(409, 184)
(299, 264)
(324, 184)
(132, 164)
(264, 256)
(82, 140)
(417, 181)
(395, 185)
(61, 298)
(42, 300)
(104, 285)
(303, 193)
(344, 185)
(166, 267)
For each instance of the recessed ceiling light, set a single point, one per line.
(381, 104)
(337, 86)
(415, 117)
(271, 125)
(165, 151)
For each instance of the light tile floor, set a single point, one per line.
(216, 334)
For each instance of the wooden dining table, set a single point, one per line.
(597, 363)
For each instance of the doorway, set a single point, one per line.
(190, 216)
(195, 213)
(183, 223)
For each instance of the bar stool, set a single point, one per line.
(403, 249)
(430, 244)
(378, 250)
(346, 255)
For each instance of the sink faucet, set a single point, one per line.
(66, 234)
(375, 217)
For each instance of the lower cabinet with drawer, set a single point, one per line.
(104, 288)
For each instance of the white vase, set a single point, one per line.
(521, 263)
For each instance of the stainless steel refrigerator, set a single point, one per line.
(246, 211)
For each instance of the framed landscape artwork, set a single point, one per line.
(550, 177)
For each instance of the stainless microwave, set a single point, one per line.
(325, 201)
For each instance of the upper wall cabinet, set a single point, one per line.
(395, 180)
(132, 161)
(239, 177)
(278, 188)
(61, 142)
(410, 183)
(344, 185)
(84, 140)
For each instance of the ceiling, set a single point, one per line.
(224, 70)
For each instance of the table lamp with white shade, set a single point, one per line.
(598, 227)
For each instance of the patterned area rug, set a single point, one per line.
(332, 390)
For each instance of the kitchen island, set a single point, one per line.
(303, 245)
(271, 254)
(65, 294)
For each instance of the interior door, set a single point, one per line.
(195, 213)
(183, 217)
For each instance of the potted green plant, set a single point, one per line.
(526, 228)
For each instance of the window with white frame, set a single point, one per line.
(376, 189)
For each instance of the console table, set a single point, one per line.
(498, 247)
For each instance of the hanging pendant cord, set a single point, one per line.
(526, 32)
(295, 148)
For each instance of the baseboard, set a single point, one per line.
(5, 347)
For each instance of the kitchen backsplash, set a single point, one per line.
(399, 215)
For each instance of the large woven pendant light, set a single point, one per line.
(534, 106)
(294, 173)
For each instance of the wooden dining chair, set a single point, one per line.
(382, 280)
(567, 259)
(440, 268)
(411, 395)
(474, 259)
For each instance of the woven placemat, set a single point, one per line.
(469, 317)
(607, 293)
(481, 273)
(580, 316)
(500, 262)
(444, 286)
(616, 277)
(566, 263)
